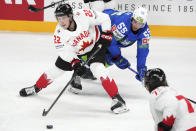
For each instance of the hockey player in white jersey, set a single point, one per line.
(170, 110)
(77, 34)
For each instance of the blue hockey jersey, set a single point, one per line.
(124, 36)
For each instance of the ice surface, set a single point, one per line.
(24, 57)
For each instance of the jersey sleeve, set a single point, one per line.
(167, 104)
(114, 48)
(98, 18)
(169, 112)
(143, 48)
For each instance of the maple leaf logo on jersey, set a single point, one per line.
(85, 45)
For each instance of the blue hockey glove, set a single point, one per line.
(141, 73)
(109, 59)
(121, 62)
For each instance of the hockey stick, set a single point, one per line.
(33, 9)
(132, 70)
(45, 112)
(191, 100)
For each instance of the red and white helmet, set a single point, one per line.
(140, 14)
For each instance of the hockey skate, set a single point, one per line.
(76, 86)
(118, 105)
(29, 91)
(89, 75)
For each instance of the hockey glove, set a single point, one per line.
(105, 38)
(121, 62)
(78, 68)
(141, 73)
(107, 35)
(108, 58)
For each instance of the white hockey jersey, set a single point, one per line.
(69, 44)
(174, 109)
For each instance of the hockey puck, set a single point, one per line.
(49, 126)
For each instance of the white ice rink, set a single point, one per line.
(24, 57)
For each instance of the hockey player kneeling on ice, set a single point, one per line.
(170, 111)
(77, 34)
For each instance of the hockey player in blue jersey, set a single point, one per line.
(128, 28)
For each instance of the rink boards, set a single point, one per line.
(171, 18)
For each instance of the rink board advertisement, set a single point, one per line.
(164, 12)
(166, 17)
(161, 12)
(17, 10)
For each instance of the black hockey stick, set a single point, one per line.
(45, 112)
(33, 9)
(191, 100)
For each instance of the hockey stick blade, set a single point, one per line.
(33, 9)
(44, 113)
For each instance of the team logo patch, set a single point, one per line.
(117, 34)
(144, 41)
(85, 45)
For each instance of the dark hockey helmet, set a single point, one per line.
(154, 78)
(63, 9)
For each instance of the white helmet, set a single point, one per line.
(140, 14)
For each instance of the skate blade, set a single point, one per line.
(74, 90)
(120, 110)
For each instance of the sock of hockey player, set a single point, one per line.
(118, 104)
(41, 83)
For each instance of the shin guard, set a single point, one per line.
(43, 81)
(110, 86)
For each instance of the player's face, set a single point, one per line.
(136, 25)
(63, 21)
